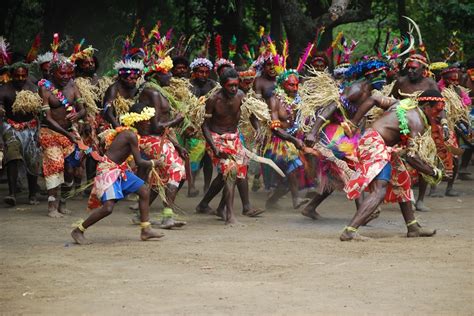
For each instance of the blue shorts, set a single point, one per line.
(74, 159)
(385, 173)
(121, 188)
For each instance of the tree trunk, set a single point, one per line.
(402, 22)
(276, 30)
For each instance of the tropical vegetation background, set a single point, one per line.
(104, 24)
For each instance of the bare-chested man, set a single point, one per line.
(62, 108)
(201, 86)
(283, 146)
(114, 180)
(159, 143)
(415, 81)
(264, 84)
(223, 139)
(20, 131)
(120, 95)
(381, 169)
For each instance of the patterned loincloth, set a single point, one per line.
(112, 182)
(286, 157)
(56, 147)
(196, 148)
(21, 143)
(236, 164)
(171, 167)
(373, 155)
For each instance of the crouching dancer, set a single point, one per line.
(382, 170)
(114, 180)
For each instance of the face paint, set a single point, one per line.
(290, 86)
(201, 74)
(231, 86)
(129, 77)
(451, 78)
(63, 74)
(245, 84)
(319, 63)
(414, 70)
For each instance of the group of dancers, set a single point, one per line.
(371, 128)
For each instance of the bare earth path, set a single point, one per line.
(278, 264)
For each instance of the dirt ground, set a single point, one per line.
(278, 264)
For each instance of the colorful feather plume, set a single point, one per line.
(218, 46)
(77, 47)
(232, 47)
(33, 52)
(304, 57)
(55, 45)
(5, 50)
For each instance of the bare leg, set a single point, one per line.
(192, 191)
(12, 175)
(279, 191)
(293, 184)
(216, 186)
(310, 209)
(32, 187)
(465, 159)
(229, 190)
(78, 233)
(144, 205)
(168, 221)
(423, 185)
(207, 170)
(243, 187)
(367, 207)
(449, 189)
(414, 229)
(53, 203)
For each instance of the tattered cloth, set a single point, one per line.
(373, 154)
(56, 147)
(107, 173)
(230, 144)
(20, 139)
(171, 166)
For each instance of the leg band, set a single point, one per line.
(51, 198)
(413, 222)
(167, 212)
(81, 228)
(144, 225)
(350, 229)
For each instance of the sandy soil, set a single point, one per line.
(278, 264)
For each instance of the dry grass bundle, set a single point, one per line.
(27, 102)
(259, 108)
(102, 85)
(318, 90)
(455, 110)
(424, 147)
(89, 93)
(121, 105)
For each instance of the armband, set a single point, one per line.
(275, 124)
(79, 100)
(444, 121)
(45, 107)
(207, 115)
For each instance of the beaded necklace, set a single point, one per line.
(58, 94)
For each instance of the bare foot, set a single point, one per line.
(298, 202)
(33, 200)
(452, 192)
(179, 224)
(232, 222)
(418, 231)
(193, 192)
(55, 214)
(79, 238)
(420, 206)
(352, 236)
(168, 223)
(253, 212)
(148, 233)
(134, 207)
(311, 213)
(136, 220)
(220, 212)
(63, 209)
(204, 210)
(10, 200)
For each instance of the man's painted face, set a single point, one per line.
(269, 69)
(290, 85)
(19, 76)
(63, 74)
(319, 63)
(377, 79)
(231, 86)
(88, 65)
(414, 70)
(246, 84)
(470, 73)
(129, 77)
(451, 78)
(180, 71)
(201, 74)
(44, 67)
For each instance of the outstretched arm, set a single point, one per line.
(324, 116)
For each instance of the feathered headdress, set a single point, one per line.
(220, 60)
(365, 67)
(182, 46)
(304, 57)
(81, 54)
(33, 52)
(58, 60)
(132, 57)
(5, 50)
(44, 58)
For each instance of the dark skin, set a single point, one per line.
(218, 183)
(44, 68)
(8, 91)
(180, 71)
(278, 112)
(224, 107)
(86, 68)
(124, 145)
(60, 120)
(201, 82)
(266, 83)
(246, 84)
(125, 86)
(388, 128)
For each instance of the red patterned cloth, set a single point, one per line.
(373, 154)
(231, 144)
(107, 173)
(19, 126)
(55, 147)
(171, 167)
